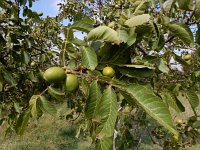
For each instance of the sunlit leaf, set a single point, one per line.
(89, 58)
(152, 104)
(104, 143)
(108, 113)
(93, 100)
(138, 20)
(163, 66)
(104, 33)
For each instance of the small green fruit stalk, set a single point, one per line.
(71, 82)
(109, 72)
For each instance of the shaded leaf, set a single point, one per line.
(173, 102)
(22, 122)
(82, 26)
(180, 60)
(85, 87)
(45, 105)
(183, 32)
(136, 73)
(1, 82)
(185, 4)
(198, 35)
(9, 77)
(193, 99)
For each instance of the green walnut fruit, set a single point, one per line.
(109, 72)
(187, 57)
(71, 82)
(54, 75)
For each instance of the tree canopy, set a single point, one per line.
(151, 46)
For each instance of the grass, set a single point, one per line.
(54, 133)
(48, 132)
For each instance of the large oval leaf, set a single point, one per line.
(152, 104)
(193, 100)
(89, 58)
(185, 4)
(104, 33)
(108, 113)
(197, 9)
(138, 20)
(183, 32)
(93, 100)
(104, 143)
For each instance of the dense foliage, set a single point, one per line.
(152, 45)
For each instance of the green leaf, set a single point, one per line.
(132, 37)
(193, 99)
(25, 57)
(22, 122)
(123, 35)
(167, 5)
(136, 66)
(82, 26)
(172, 102)
(104, 33)
(8, 42)
(180, 60)
(68, 33)
(9, 77)
(154, 106)
(93, 100)
(198, 35)
(138, 20)
(1, 82)
(182, 31)
(32, 77)
(17, 107)
(33, 105)
(47, 106)
(185, 4)
(197, 9)
(57, 93)
(89, 58)
(136, 73)
(196, 124)
(108, 113)
(85, 87)
(104, 143)
(163, 66)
